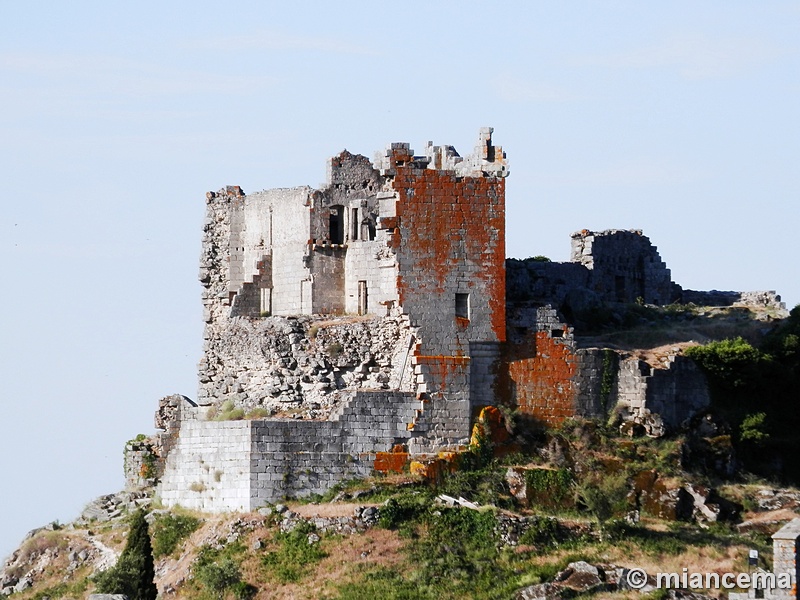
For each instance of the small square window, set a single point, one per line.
(462, 306)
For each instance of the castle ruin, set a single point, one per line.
(374, 315)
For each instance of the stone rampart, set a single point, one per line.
(241, 465)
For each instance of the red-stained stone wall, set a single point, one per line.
(450, 239)
(543, 380)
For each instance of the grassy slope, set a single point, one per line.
(452, 554)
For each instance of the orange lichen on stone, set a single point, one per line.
(433, 469)
(443, 372)
(544, 383)
(386, 462)
(443, 220)
(426, 469)
(394, 461)
(490, 426)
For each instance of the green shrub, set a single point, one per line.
(541, 531)
(609, 375)
(550, 488)
(537, 258)
(460, 551)
(731, 364)
(258, 413)
(486, 486)
(753, 428)
(402, 510)
(226, 411)
(169, 530)
(605, 496)
(217, 571)
(294, 556)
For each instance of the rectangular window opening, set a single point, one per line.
(336, 222)
(363, 302)
(462, 306)
(354, 224)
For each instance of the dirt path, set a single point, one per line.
(107, 557)
(337, 509)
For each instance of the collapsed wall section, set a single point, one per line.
(625, 266)
(551, 379)
(301, 363)
(660, 396)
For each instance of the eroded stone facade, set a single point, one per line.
(415, 245)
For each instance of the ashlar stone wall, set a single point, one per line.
(241, 465)
(625, 266)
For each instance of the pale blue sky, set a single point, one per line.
(677, 118)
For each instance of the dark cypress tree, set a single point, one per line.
(134, 572)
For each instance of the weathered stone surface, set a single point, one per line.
(662, 498)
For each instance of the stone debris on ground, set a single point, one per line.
(111, 506)
(583, 579)
(771, 499)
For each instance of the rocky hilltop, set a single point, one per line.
(387, 405)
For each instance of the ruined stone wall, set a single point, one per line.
(327, 275)
(756, 300)
(241, 465)
(551, 379)
(544, 282)
(625, 266)
(370, 265)
(302, 363)
(661, 396)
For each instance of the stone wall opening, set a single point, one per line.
(336, 222)
(363, 301)
(462, 306)
(354, 225)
